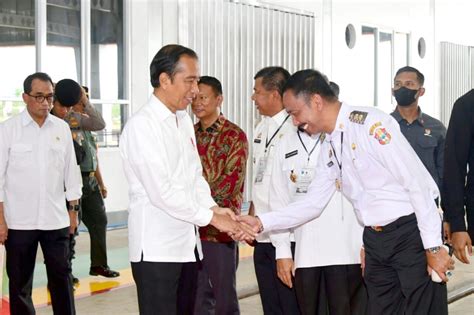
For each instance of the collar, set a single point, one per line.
(279, 118)
(26, 118)
(342, 118)
(161, 111)
(216, 126)
(399, 118)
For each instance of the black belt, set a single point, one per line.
(88, 174)
(394, 225)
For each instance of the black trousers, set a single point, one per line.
(165, 287)
(276, 297)
(21, 248)
(216, 291)
(335, 290)
(395, 272)
(94, 218)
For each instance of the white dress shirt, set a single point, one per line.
(38, 172)
(264, 146)
(168, 195)
(381, 175)
(335, 238)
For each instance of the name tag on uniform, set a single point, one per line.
(290, 154)
(257, 140)
(262, 165)
(304, 180)
(331, 163)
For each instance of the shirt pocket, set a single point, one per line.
(427, 145)
(290, 174)
(56, 157)
(21, 155)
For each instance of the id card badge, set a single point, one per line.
(304, 180)
(262, 165)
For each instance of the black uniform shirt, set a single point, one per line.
(426, 135)
(459, 192)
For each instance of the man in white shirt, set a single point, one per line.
(274, 126)
(38, 172)
(168, 194)
(367, 158)
(326, 262)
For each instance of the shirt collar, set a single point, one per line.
(342, 118)
(160, 109)
(216, 126)
(399, 118)
(26, 118)
(279, 118)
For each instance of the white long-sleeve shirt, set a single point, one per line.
(168, 194)
(335, 238)
(381, 175)
(38, 172)
(267, 137)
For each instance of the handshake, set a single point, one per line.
(240, 228)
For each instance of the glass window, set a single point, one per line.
(107, 50)
(17, 43)
(114, 116)
(63, 51)
(400, 57)
(367, 66)
(384, 72)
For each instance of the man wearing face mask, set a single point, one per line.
(425, 134)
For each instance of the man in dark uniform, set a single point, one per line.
(425, 134)
(83, 119)
(458, 193)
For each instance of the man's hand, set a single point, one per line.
(253, 222)
(362, 260)
(236, 230)
(461, 243)
(3, 232)
(285, 271)
(73, 221)
(225, 211)
(447, 232)
(440, 262)
(103, 191)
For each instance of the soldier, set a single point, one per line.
(82, 119)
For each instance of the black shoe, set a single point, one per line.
(103, 271)
(75, 281)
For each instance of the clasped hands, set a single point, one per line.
(240, 228)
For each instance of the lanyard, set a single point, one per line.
(267, 142)
(335, 155)
(304, 147)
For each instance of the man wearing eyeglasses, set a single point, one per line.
(38, 171)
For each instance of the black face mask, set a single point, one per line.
(405, 96)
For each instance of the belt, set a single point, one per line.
(88, 174)
(394, 225)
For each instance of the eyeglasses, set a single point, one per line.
(41, 98)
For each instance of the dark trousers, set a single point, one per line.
(216, 293)
(276, 297)
(395, 272)
(165, 287)
(94, 218)
(331, 290)
(21, 248)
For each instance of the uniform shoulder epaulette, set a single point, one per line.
(358, 117)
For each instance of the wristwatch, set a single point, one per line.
(433, 250)
(73, 207)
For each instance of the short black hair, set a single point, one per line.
(37, 75)
(309, 82)
(273, 78)
(334, 87)
(166, 60)
(419, 76)
(214, 83)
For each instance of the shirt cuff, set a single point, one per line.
(283, 251)
(430, 241)
(203, 217)
(74, 194)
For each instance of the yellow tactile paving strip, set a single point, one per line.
(94, 285)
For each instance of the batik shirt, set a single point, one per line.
(223, 150)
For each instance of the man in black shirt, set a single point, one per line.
(458, 192)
